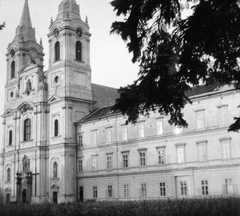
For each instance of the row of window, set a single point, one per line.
(78, 51)
(180, 150)
(54, 172)
(228, 189)
(200, 124)
(27, 131)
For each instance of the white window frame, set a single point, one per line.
(161, 155)
(126, 190)
(204, 185)
(108, 132)
(141, 130)
(223, 119)
(142, 157)
(94, 162)
(229, 187)
(95, 192)
(110, 191)
(159, 126)
(124, 130)
(181, 156)
(200, 119)
(143, 190)
(162, 189)
(226, 147)
(94, 137)
(125, 158)
(109, 158)
(202, 150)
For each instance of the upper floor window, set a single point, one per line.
(12, 70)
(55, 170)
(80, 140)
(78, 50)
(109, 161)
(181, 153)
(202, 151)
(108, 135)
(159, 127)
(80, 165)
(141, 130)
(94, 162)
(56, 128)
(8, 175)
(124, 133)
(143, 157)
(161, 155)
(57, 51)
(94, 137)
(125, 159)
(200, 120)
(223, 116)
(226, 150)
(27, 130)
(10, 138)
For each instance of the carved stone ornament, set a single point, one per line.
(26, 107)
(28, 87)
(26, 164)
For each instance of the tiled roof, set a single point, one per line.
(106, 111)
(103, 95)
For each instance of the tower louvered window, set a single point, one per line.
(12, 70)
(27, 130)
(78, 50)
(57, 51)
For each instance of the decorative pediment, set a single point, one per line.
(53, 99)
(54, 186)
(25, 107)
(8, 112)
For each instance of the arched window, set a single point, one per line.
(10, 138)
(78, 50)
(55, 167)
(27, 130)
(56, 127)
(57, 51)
(8, 175)
(12, 69)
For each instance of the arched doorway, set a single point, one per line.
(24, 196)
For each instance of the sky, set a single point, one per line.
(110, 61)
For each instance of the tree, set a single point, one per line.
(177, 53)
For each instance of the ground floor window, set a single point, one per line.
(204, 187)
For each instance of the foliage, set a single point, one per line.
(2, 26)
(191, 207)
(175, 52)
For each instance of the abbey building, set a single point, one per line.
(62, 142)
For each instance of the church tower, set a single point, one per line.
(38, 155)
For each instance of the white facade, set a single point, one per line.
(57, 147)
(153, 159)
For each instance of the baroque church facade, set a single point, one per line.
(62, 142)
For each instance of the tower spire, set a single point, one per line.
(25, 31)
(26, 19)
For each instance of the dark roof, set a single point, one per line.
(203, 89)
(103, 95)
(106, 111)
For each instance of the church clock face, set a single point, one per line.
(56, 32)
(79, 32)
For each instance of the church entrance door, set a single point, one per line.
(55, 197)
(24, 196)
